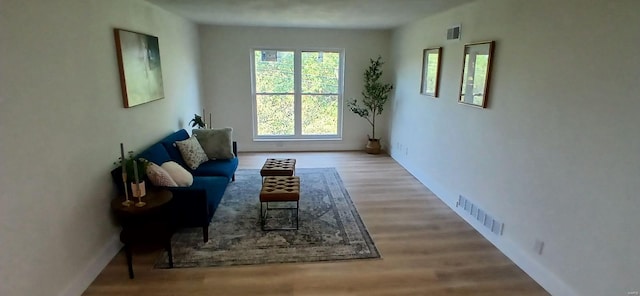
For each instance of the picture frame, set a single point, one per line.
(139, 66)
(431, 64)
(476, 73)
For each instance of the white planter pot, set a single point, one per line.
(138, 192)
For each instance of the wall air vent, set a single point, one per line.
(453, 33)
(481, 215)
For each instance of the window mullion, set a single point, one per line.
(297, 85)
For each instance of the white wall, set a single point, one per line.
(226, 77)
(61, 123)
(556, 154)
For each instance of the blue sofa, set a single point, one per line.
(194, 206)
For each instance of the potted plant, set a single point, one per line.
(374, 96)
(197, 121)
(130, 171)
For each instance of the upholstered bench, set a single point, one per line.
(279, 189)
(278, 167)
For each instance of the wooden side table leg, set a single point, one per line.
(127, 251)
(205, 233)
(169, 253)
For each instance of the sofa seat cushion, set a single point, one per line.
(221, 167)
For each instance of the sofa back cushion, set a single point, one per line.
(169, 144)
(156, 154)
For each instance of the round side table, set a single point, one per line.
(147, 224)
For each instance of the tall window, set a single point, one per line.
(297, 94)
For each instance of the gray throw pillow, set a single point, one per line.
(216, 143)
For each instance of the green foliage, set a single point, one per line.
(274, 76)
(275, 99)
(375, 95)
(141, 163)
(197, 121)
(275, 115)
(319, 114)
(320, 72)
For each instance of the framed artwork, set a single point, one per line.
(140, 69)
(431, 58)
(476, 74)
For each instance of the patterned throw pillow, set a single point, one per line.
(159, 176)
(181, 176)
(216, 143)
(192, 152)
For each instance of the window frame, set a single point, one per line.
(297, 77)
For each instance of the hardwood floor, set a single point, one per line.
(426, 248)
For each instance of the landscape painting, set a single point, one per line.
(140, 69)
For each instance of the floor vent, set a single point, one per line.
(481, 215)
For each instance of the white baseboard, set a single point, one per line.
(83, 279)
(545, 278)
(549, 281)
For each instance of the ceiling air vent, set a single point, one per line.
(453, 33)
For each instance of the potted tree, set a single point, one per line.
(374, 96)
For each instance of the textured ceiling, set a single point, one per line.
(352, 14)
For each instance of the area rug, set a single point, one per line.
(330, 227)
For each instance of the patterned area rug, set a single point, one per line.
(330, 227)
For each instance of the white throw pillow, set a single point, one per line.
(159, 176)
(217, 143)
(180, 175)
(192, 152)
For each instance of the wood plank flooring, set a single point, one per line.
(426, 248)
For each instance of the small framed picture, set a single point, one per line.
(431, 71)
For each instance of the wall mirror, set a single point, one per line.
(476, 73)
(431, 71)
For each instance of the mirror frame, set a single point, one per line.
(426, 62)
(470, 83)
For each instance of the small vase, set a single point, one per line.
(138, 192)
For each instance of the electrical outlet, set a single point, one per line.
(538, 246)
